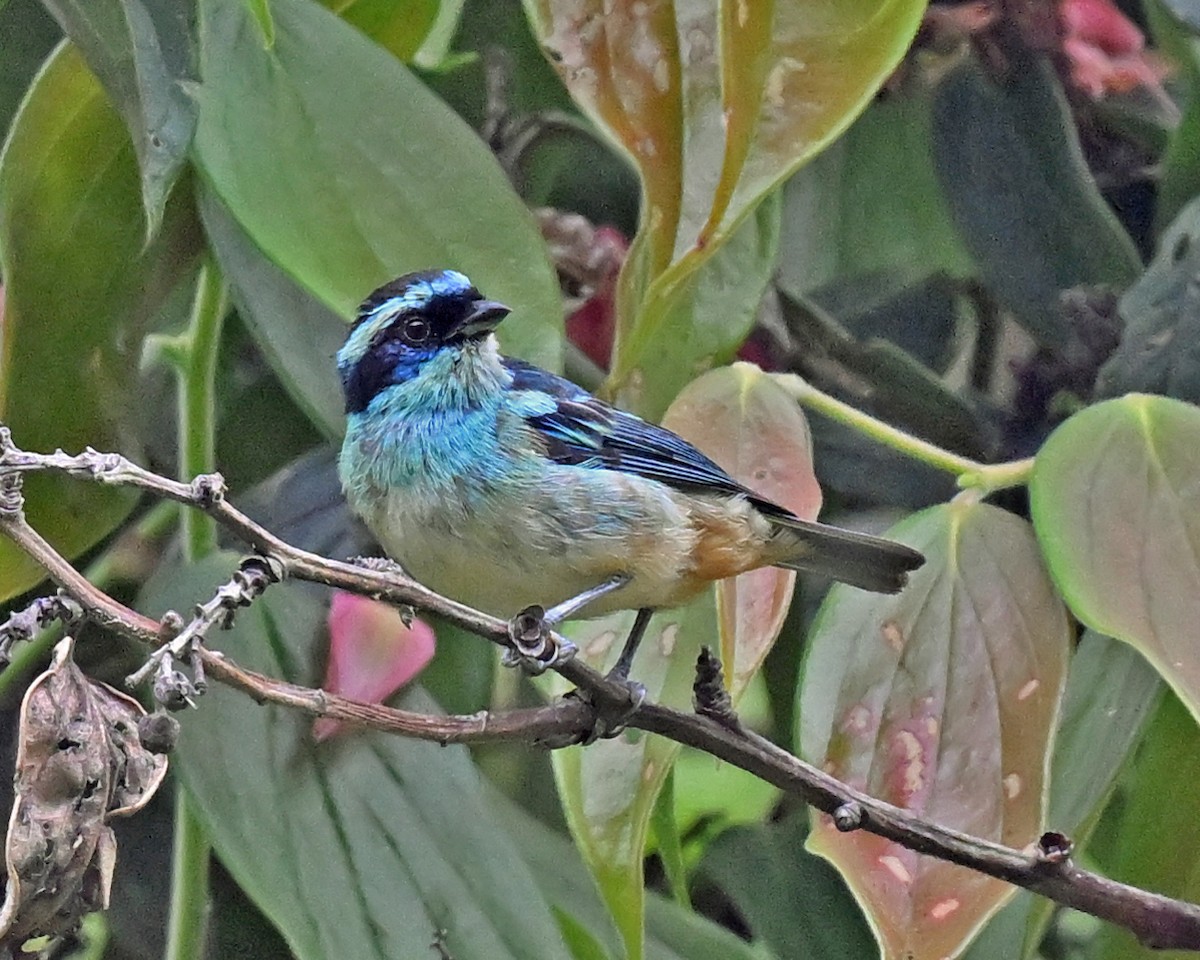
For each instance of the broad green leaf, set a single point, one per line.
(1160, 345)
(793, 902)
(1115, 497)
(359, 847)
(1111, 695)
(672, 932)
(367, 191)
(941, 700)
(756, 432)
(297, 333)
(608, 789)
(79, 284)
(1158, 845)
(1021, 193)
(398, 27)
(715, 104)
(871, 203)
(143, 53)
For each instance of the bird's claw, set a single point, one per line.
(610, 722)
(534, 648)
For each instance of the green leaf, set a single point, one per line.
(1160, 346)
(362, 846)
(80, 283)
(701, 321)
(1018, 187)
(608, 789)
(1115, 497)
(399, 28)
(143, 53)
(667, 841)
(715, 104)
(941, 700)
(1160, 827)
(380, 176)
(871, 203)
(1186, 12)
(297, 333)
(1111, 695)
(794, 903)
(672, 932)
(30, 34)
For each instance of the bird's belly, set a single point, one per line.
(502, 552)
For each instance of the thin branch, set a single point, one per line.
(1157, 921)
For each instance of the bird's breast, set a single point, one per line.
(494, 525)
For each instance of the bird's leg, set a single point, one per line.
(620, 669)
(530, 630)
(609, 723)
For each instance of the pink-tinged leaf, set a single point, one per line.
(741, 419)
(372, 654)
(609, 789)
(716, 104)
(1115, 497)
(943, 701)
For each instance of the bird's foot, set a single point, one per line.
(534, 647)
(611, 719)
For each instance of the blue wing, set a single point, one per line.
(580, 430)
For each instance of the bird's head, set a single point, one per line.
(408, 322)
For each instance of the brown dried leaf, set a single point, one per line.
(79, 762)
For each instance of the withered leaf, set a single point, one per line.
(79, 762)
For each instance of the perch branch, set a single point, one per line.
(1157, 921)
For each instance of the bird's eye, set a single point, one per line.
(416, 330)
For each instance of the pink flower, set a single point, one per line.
(1106, 50)
(372, 654)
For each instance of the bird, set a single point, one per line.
(510, 489)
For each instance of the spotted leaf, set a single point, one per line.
(941, 700)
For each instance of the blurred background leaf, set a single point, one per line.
(373, 842)
(1018, 187)
(81, 286)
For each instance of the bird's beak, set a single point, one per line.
(484, 318)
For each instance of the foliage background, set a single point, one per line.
(994, 241)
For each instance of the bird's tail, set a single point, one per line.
(854, 558)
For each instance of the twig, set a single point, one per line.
(1157, 921)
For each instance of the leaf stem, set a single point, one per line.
(971, 474)
(187, 925)
(197, 409)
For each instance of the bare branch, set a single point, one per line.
(1156, 920)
